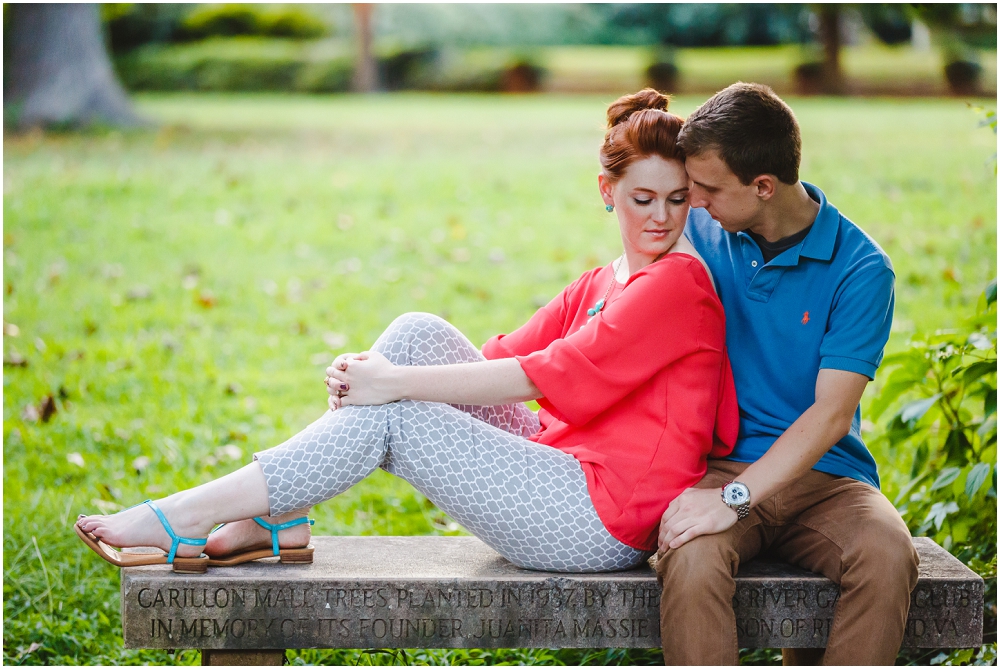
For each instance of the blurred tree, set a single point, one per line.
(832, 80)
(130, 25)
(892, 24)
(365, 73)
(57, 71)
(686, 24)
(958, 29)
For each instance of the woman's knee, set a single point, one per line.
(418, 321)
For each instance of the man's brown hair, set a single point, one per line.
(752, 129)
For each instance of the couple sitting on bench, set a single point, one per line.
(737, 281)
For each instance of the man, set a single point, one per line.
(808, 299)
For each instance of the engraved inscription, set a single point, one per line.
(494, 605)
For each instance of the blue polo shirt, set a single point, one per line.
(825, 303)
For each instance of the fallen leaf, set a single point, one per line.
(47, 409)
(140, 463)
(10, 330)
(113, 271)
(229, 452)
(15, 359)
(206, 298)
(335, 340)
(137, 293)
(30, 414)
(31, 649)
(75, 459)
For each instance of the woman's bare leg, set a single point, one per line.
(192, 513)
(246, 535)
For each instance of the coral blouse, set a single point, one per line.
(641, 394)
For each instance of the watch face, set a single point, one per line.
(736, 494)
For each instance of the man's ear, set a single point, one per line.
(765, 185)
(605, 186)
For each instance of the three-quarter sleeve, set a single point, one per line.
(545, 326)
(659, 318)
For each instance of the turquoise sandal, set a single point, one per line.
(181, 565)
(284, 555)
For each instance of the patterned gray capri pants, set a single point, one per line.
(527, 501)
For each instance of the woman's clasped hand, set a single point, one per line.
(360, 379)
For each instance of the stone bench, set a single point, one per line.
(455, 592)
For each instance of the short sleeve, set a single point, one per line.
(661, 316)
(860, 321)
(544, 326)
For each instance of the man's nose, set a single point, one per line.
(696, 198)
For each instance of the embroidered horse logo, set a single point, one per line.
(805, 318)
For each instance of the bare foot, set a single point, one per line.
(139, 526)
(246, 535)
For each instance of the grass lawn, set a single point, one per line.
(179, 291)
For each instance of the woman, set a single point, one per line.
(627, 363)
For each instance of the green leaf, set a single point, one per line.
(915, 410)
(976, 370)
(991, 289)
(919, 460)
(946, 477)
(988, 425)
(940, 511)
(977, 477)
(956, 446)
(990, 403)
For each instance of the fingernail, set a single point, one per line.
(343, 386)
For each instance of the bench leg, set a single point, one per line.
(242, 658)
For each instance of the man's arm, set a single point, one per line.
(698, 511)
(371, 379)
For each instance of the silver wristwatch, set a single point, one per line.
(737, 497)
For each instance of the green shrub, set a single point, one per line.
(231, 20)
(942, 432)
(237, 64)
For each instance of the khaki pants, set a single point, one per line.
(843, 529)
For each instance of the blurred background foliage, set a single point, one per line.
(884, 48)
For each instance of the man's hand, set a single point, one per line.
(694, 512)
(360, 379)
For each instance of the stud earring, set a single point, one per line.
(610, 207)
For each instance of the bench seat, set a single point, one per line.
(455, 592)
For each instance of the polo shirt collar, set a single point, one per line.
(820, 241)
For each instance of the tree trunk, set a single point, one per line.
(57, 70)
(365, 74)
(829, 29)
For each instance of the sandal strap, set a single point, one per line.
(277, 527)
(175, 540)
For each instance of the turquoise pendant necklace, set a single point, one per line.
(596, 309)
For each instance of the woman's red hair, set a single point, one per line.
(639, 126)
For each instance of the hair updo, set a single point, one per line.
(639, 126)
